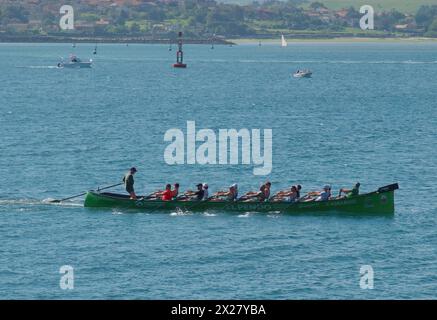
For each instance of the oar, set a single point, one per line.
(82, 194)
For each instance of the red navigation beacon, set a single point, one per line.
(180, 54)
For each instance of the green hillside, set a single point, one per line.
(407, 6)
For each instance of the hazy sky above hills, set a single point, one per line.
(401, 5)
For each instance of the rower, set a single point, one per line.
(291, 196)
(325, 194)
(299, 187)
(167, 194)
(191, 195)
(351, 192)
(159, 193)
(200, 192)
(263, 194)
(234, 192)
(230, 195)
(265, 191)
(205, 191)
(175, 191)
(128, 180)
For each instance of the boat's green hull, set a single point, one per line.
(370, 203)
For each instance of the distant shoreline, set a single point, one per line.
(338, 39)
(219, 41)
(130, 40)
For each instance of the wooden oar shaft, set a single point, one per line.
(84, 193)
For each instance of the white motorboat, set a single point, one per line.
(303, 73)
(75, 62)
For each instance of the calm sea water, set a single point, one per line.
(368, 114)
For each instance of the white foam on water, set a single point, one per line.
(244, 215)
(180, 212)
(274, 214)
(37, 67)
(206, 214)
(61, 204)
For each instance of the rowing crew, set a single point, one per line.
(263, 194)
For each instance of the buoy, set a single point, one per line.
(180, 54)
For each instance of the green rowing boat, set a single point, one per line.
(380, 201)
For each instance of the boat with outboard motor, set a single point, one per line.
(303, 73)
(75, 62)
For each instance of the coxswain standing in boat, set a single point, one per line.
(128, 180)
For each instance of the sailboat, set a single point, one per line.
(283, 41)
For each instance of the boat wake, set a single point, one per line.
(180, 212)
(37, 67)
(61, 204)
(19, 202)
(207, 214)
(36, 202)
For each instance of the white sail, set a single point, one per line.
(283, 42)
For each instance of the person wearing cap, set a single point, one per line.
(128, 180)
(325, 194)
(351, 192)
(193, 195)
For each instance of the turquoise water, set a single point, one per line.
(368, 114)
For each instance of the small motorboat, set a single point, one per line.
(75, 62)
(303, 73)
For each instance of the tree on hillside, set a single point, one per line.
(317, 5)
(426, 15)
(432, 29)
(16, 14)
(122, 17)
(388, 20)
(49, 19)
(134, 28)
